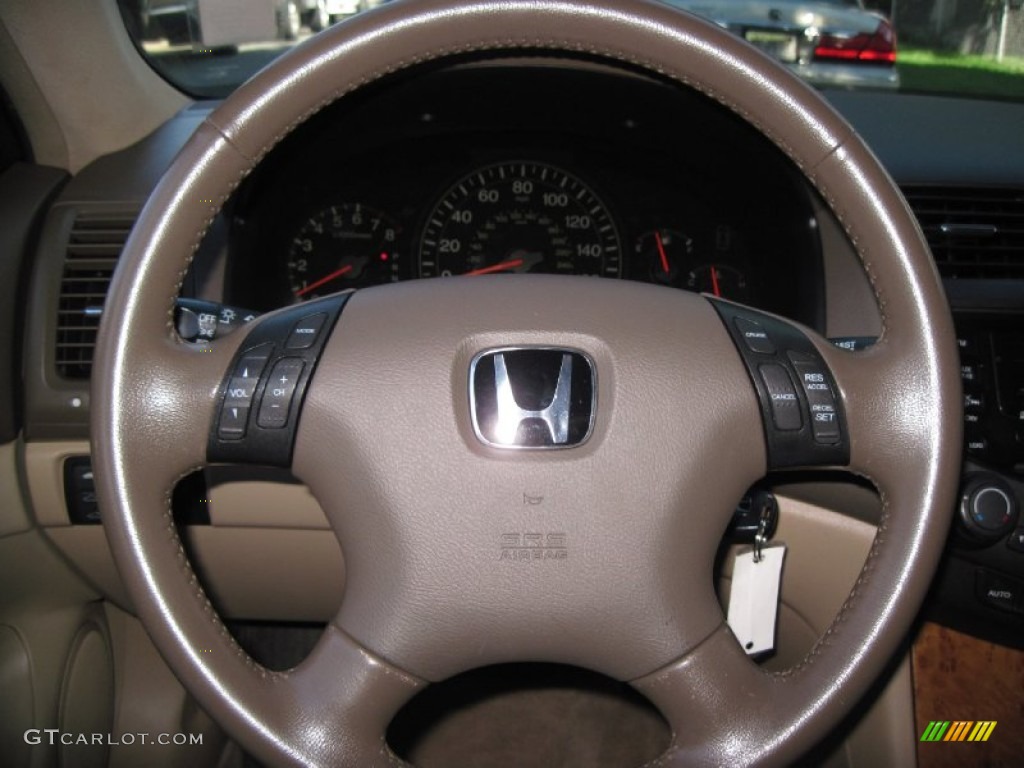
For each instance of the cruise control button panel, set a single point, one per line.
(804, 423)
(261, 396)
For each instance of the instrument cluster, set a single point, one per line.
(437, 195)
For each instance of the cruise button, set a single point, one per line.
(754, 336)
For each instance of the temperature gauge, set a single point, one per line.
(664, 254)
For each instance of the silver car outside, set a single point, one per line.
(828, 42)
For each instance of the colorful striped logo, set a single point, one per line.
(958, 730)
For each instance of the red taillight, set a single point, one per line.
(878, 47)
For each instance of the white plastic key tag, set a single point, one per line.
(754, 598)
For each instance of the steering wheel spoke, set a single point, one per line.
(715, 682)
(260, 399)
(340, 700)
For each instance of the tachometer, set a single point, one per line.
(346, 245)
(520, 217)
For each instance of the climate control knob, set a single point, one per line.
(988, 509)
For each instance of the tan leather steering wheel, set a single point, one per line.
(384, 437)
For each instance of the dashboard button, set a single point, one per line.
(968, 346)
(305, 332)
(1016, 540)
(1000, 592)
(782, 394)
(971, 374)
(755, 336)
(972, 400)
(277, 397)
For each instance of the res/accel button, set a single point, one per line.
(820, 399)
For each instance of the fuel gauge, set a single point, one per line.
(719, 280)
(663, 255)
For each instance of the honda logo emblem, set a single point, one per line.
(532, 397)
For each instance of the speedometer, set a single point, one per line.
(520, 217)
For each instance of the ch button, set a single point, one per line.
(277, 397)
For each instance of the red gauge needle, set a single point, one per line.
(714, 283)
(661, 251)
(325, 279)
(502, 267)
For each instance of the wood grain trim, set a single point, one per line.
(961, 678)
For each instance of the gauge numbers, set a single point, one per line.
(520, 217)
(345, 245)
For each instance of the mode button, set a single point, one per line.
(305, 332)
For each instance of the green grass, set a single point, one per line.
(933, 71)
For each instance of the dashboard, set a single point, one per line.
(507, 167)
(561, 173)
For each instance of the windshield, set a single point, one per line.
(207, 48)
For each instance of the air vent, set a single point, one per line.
(94, 246)
(973, 233)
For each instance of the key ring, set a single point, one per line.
(760, 538)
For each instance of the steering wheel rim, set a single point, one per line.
(156, 397)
